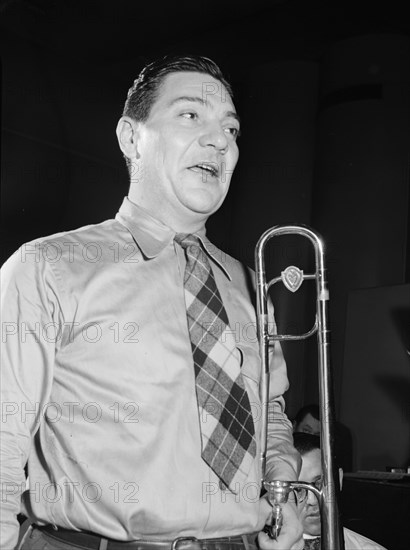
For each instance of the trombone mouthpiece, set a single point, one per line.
(278, 491)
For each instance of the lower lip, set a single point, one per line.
(204, 174)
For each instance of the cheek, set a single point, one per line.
(171, 150)
(302, 511)
(162, 152)
(228, 167)
(156, 147)
(233, 157)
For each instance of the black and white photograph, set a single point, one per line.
(205, 275)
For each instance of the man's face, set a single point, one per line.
(311, 472)
(187, 149)
(308, 425)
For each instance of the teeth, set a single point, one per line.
(209, 168)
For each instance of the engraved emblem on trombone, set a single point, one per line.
(292, 278)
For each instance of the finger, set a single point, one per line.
(265, 510)
(283, 543)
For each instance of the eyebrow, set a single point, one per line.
(201, 101)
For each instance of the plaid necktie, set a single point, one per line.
(227, 429)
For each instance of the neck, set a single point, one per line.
(191, 223)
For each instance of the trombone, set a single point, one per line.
(292, 278)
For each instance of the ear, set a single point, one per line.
(128, 134)
(341, 477)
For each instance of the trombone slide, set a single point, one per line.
(292, 278)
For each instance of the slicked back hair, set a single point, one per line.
(304, 443)
(145, 90)
(312, 409)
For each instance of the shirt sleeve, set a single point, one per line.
(354, 541)
(283, 461)
(29, 309)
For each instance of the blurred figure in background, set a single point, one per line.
(308, 446)
(307, 420)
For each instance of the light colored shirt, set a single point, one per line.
(354, 541)
(98, 387)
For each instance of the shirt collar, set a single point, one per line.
(213, 252)
(152, 236)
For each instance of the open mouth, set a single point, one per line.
(313, 515)
(207, 169)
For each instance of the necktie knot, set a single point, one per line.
(195, 255)
(185, 240)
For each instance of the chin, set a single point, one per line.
(312, 527)
(203, 203)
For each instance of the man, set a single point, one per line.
(130, 383)
(307, 420)
(308, 446)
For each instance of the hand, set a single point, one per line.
(291, 535)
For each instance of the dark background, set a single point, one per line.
(323, 92)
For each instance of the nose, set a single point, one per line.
(214, 136)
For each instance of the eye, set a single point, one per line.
(318, 484)
(307, 430)
(233, 131)
(300, 493)
(190, 115)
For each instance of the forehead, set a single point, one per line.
(311, 466)
(201, 86)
